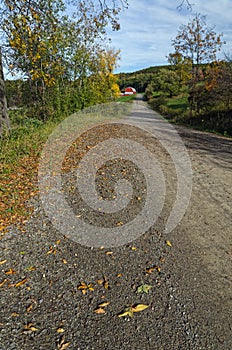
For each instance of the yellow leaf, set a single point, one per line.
(10, 272)
(139, 307)
(127, 312)
(109, 253)
(14, 314)
(169, 243)
(64, 261)
(99, 311)
(60, 330)
(21, 282)
(104, 304)
(3, 262)
(30, 327)
(29, 308)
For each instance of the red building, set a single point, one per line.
(129, 91)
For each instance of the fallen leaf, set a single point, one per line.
(29, 308)
(100, 282)
(106, 285)
(10, 272)
(106, 303)
(133, 248)
(169, 243)
(21, 282)
(30, 268)
(30, 327)
(128, 312)
(150, 270)
(139, 307)
(99, 311)
(109, 253)
(64, 261)
(62, 345)
(3, 262)
(85, 287)
(14, 314)
(60, 330)
(144, 288)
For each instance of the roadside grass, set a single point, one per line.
(20, 153)
(178, 103)
(129, 98)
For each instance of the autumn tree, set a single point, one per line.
(198, 43)
(4, 118)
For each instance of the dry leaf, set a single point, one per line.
(10, 272)
(144, 288)
(100, 281)
(128, 312)
(62, 345)
(64, 261)
(60, 330)
(106, 285)
(3, 262)
(31, 268)
(14, 314)
(99, 311)
(169, 243)
(30, 327)
(85, 287)
(29, 308)
(133, 248)
(139, 307)
(21, 282)
(106, 303)
(150, 270)
(109, 253)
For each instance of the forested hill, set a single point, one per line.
(138, 79)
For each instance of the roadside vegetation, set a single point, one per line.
(195, 88)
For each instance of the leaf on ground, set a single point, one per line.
(14, 314)
(30, 327)
(10, 272)
(85, 287)
(60, 330)
(169, 243)
(62, 345)
(3, 262)
(21, 282)
(29, 308)
(144, 288)
(127, 312)
(139, 307)
(106, 303)
(30, 268)
(51, 251)
(99, 311)
(153, 268)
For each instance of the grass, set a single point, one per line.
(129, 98)
(179, 102)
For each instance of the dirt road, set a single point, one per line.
(44, 273)
(204, 236)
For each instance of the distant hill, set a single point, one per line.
(138, 79)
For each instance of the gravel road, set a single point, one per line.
(188, 269)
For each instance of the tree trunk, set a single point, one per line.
(4, 118)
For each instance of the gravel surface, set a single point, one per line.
(190, 296)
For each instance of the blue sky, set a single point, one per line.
(148, 26)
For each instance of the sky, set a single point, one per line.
(148, 26)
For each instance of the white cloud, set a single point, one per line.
(148, 26)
